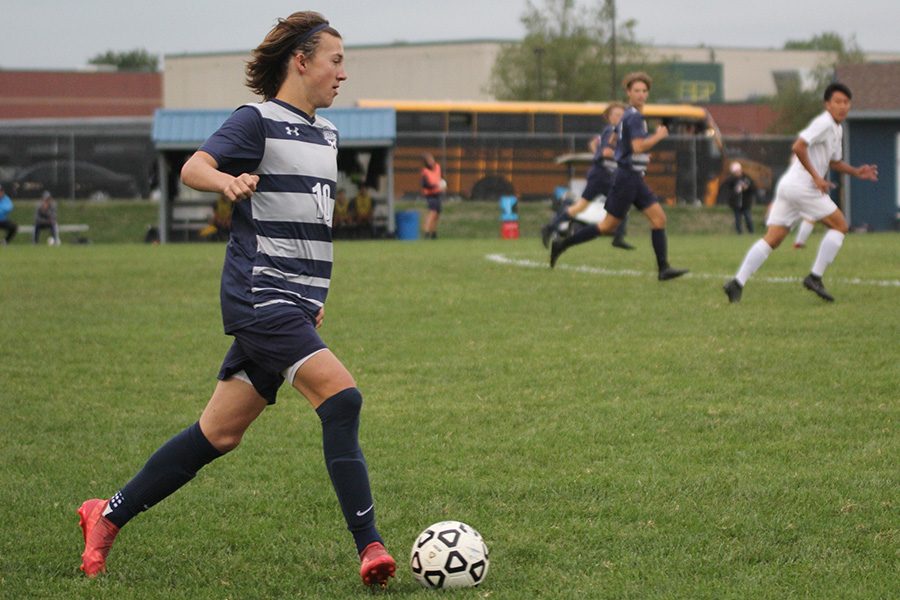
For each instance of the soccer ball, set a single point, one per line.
(449, 554)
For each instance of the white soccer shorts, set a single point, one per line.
(793, 203)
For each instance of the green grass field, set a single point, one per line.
(609, 435)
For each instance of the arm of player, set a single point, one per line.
(641, 145)
(801, 149)
(609, 151)
(867, 172)
(201, 173)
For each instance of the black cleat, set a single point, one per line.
(556, 249)
(814, 284)
(670, 273)
(546, 234)
(733, 290)
(620, 243)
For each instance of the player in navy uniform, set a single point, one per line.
(599, 178)
(277, 161)
(628, 186)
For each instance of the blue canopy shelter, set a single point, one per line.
(177, 133)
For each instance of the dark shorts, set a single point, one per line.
(434, 203)
(628, 188)
(268, 347)
(598, 182)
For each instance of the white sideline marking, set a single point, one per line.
(502, 259)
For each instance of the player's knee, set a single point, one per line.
(344, 406)
(225, 441)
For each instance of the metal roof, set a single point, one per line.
(187, 129)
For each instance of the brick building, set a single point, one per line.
(73, 94)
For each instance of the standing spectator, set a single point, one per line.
(741, 191)
(6, 207)
(45, 218)
(432, 188)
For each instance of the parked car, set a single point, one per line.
(90, 181)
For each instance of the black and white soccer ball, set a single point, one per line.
(449, 554)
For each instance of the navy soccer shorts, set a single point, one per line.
(269, 347)
(434, 203)
(628, 188)
(598, 182)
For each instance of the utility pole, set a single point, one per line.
(539, 60)
(613, 78)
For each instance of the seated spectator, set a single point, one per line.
(362, 209)
(219, 227)
(6, 207)
(45, 218)
(342, 216)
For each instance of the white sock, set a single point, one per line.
(756, 256)
(828, 249)
(803, 232)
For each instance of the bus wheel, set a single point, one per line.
(491, 188)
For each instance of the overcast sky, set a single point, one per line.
(64, 34)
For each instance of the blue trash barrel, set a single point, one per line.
(407, 225)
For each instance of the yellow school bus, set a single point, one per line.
(488, 149)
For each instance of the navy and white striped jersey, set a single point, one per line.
(279, 256)
(603, 142)
(631, 127)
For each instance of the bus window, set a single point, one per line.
(420, 121)
(586, 124)
(502, 123)
(459, 122)
(546, 123)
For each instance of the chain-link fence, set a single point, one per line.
(94, 159)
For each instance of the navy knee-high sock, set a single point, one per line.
(660, 247)
(585, 234)
(171, 466)
(347, 466)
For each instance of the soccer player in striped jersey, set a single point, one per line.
(599, 178)
(277, 162)
(628, 186)
(802, 192)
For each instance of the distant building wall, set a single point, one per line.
(742, 118)
(748, 72)
(461, 71)
(439, 71)
(69, 94)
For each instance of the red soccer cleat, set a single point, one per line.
(99, 535)
(377, 565)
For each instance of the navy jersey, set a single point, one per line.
(631, 127)
(603, 141)
(279, 257)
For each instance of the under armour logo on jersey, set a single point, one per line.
(292, 130)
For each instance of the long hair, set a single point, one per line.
(267, 69)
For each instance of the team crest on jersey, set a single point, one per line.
(330, 137)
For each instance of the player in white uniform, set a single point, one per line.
(802, 193)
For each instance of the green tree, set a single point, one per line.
(131, 60)
(566, 55)
(794, 104)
